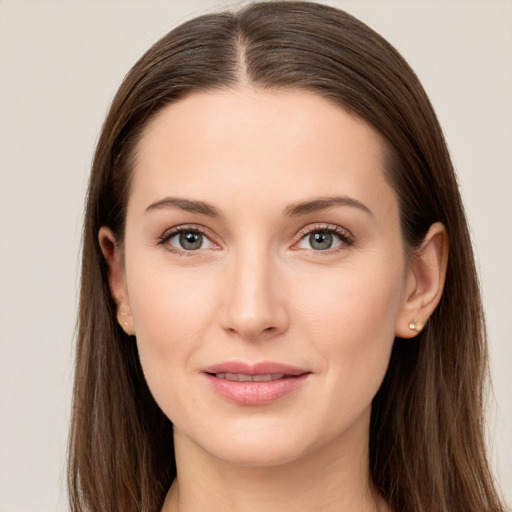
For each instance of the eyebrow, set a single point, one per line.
(293, 210)
(323, 203)
(184, 204)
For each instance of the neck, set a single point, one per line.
(333, 478)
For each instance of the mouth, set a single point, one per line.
(240, 377)
(255, 385)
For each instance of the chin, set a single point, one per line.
(263, 455)
(267, 443)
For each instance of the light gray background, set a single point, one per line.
(60, 64)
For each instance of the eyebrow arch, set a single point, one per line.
(184, 204)
(323, 203)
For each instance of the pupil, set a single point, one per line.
(191, 240)
(320, 240)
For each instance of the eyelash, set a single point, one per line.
(344, 236)
(164, 239)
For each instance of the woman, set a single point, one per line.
(279, 306)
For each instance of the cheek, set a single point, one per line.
(353, 300)
(351, 316)
(167, 333)
(169, 305)
(171, 312)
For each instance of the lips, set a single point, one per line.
(258, 384)
(240, 377)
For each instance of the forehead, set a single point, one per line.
(281, 144)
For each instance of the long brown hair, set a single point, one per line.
(427, 451)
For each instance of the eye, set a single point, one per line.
(186, 240)
(324, 239)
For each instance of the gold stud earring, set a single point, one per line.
(415, 325)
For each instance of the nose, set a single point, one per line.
(254, 302)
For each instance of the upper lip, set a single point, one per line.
(262, 368)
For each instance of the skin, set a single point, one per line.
(258, 290)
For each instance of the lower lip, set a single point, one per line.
(255, 393)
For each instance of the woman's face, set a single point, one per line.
(264, 272)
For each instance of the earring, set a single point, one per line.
(415, 325)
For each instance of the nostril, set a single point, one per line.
(252, 315)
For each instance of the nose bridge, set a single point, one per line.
(254, 305)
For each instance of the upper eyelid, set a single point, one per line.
(185, 227)
(311, 228)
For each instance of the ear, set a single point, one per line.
(116, 278)
(424, 282)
